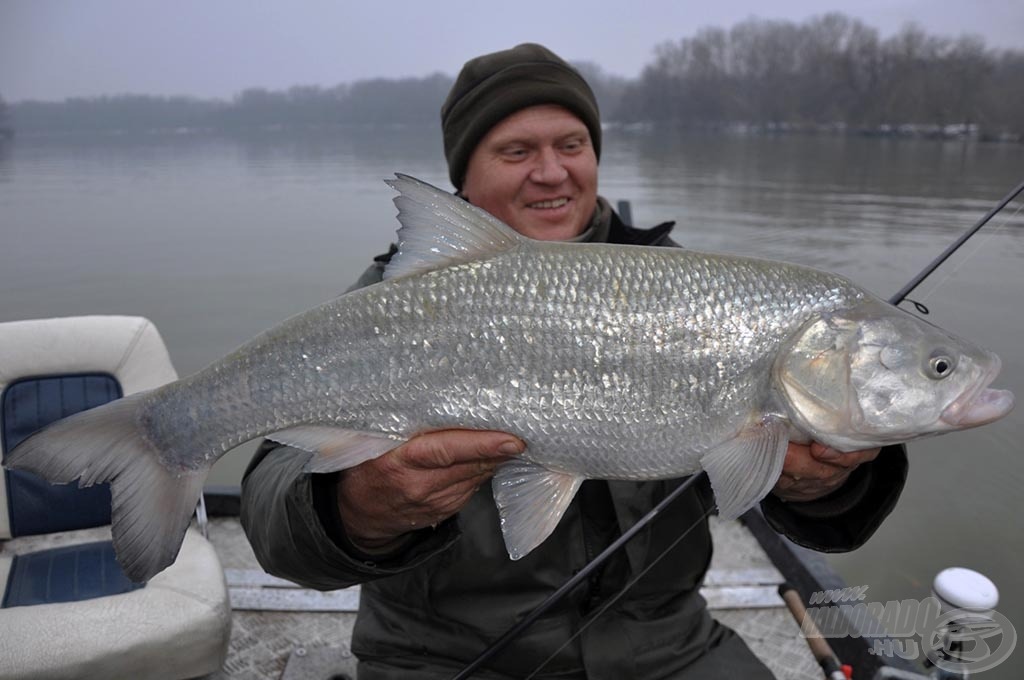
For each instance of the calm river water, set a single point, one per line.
(218, 238)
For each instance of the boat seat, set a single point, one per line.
(67, 609)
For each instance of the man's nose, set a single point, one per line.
(549, 168)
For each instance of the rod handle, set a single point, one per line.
(820, 648)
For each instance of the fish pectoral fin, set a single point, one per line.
(439, 230)
(335, 448)
(746, 468)
(530, 499)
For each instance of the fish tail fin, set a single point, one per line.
(151, 505)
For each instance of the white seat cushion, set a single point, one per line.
(177, 626)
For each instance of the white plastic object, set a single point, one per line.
(960, 588)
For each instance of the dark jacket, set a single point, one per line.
(429, 609)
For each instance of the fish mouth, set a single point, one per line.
(979, 405)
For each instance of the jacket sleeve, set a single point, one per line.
(291, 519)
(845, 519)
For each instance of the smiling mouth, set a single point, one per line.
(546, 205)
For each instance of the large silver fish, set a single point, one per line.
(611, 362)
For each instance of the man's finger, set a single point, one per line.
(447, 448)
(813, 471)
(849, 459)
(475, 472)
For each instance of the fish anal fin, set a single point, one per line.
(531, 500)
(744, 469)
(439, 230)
(336, 448)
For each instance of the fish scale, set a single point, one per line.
(612, 362)
(441, 338)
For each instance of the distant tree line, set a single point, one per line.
(827, 71)
(5, 120)
(831, 72)
(408, 101)
(126, 113)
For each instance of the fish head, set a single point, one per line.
(873, 375)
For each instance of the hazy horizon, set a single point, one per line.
(55, 49)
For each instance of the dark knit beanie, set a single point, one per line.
(494, 86)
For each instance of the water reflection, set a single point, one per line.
(348, 151)
(219, 237)
(847, 204)
(6, 160)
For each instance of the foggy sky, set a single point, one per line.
(51, 49)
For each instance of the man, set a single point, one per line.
(418, 525)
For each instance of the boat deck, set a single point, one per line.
(741, 590)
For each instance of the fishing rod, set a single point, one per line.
(927, 271)
(513, 632)
(820, 648)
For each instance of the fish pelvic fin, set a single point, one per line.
(440, 229)
(336, 448)
(744, 469)
(531, 500)
(151, 505)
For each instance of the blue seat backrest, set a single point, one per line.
(28, 405)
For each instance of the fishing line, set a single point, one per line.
(632, 582)
(960, 265)
(569, 585)
(927, 271)
(530, 618)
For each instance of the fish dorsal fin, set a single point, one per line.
(439, 229)
(530, 499)
(744, 469)
(335, 448)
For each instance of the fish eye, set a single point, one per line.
(940, 365)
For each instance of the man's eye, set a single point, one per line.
(573, 148)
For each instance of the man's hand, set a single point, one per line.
(419, 484)
(813, 471)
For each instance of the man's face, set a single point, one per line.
(536, 171)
